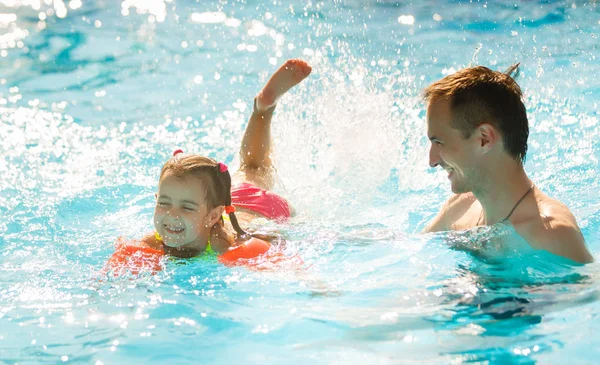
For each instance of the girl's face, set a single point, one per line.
(181, 215)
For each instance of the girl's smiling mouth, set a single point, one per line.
(173, 229)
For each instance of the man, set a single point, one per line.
(478, 128)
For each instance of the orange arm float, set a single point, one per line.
(133, 258)
(250, 249)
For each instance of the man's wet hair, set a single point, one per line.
(480, 95)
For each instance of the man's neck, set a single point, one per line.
(505, 185)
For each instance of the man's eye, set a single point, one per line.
(162, 204)
(189, 209)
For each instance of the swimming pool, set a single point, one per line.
(95, 96)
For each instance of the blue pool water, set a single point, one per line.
(95, 95)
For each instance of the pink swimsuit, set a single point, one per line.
(261, 201)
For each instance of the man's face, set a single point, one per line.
(450, 150)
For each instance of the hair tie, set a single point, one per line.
(179, 150)
(222, 167)
(229, 209)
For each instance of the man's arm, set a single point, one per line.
(437, 224)
(447, 215)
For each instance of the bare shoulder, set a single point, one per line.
(454, 208)
(149, 240)
(221, 239)
(552, 227)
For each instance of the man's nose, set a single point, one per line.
(434, 156)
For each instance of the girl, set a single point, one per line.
(194, 192)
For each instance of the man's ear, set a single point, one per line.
(215, 214)
(488, 136)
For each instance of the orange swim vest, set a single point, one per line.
(131, 258)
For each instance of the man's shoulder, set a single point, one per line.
(552, 227)
(547, 215)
